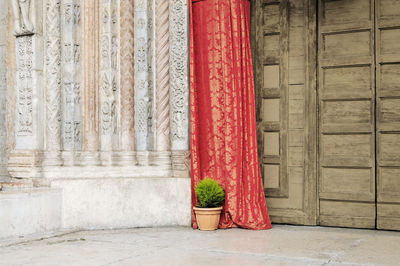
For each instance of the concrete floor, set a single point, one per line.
(282, 245)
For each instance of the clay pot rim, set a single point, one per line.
(207, 209)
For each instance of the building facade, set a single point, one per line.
(94, 112)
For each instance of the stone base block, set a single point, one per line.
(106, 203)
(29, 211)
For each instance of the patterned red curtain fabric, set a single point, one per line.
(223, 115)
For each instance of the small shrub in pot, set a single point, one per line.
(210, 196)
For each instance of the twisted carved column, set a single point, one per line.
(127, 72)
(127, 76)
(162, 145)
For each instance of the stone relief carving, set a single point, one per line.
(143, 46)
(179, 73)
(53, 75)
(71, 86)
(23, 16)
(109, 85)
(142, 74)
(24, 85)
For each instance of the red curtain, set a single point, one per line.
(223, 116)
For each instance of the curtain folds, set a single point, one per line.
(223, 115)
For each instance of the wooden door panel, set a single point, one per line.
(388, 113)
(285, 91)
(347, 184)
(346, 113)
(348, 82)
(274, 102)
(347, 214)
(339, 12)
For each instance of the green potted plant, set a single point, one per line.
(210, 196)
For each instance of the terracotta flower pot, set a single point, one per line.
(207, 218)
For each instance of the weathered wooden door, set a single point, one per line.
(388, 113)
(346, 113)
(359, 113)
(329, 110)
(284, 61)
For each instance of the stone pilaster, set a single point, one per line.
(3, 89)
(179, 91)
(90, 65)
(11, 80)
(127, 72)
(27, 145)
(109, 78)
(143, 80)
(71, 79)
(53, 83)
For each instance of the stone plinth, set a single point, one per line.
(30, 211)
(125, 202)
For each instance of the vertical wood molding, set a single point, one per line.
(53, 81)
(127, 73)
(311, 121)
(90, 64)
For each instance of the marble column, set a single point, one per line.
(52, 156)
(162, 121)
(179, 92)
(71, 80)
(109, 79)
(143, 79)
(127, 72)
(90, 65)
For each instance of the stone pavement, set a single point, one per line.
(282, 245)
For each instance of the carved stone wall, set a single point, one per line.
(97, 109)
(102, 90)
